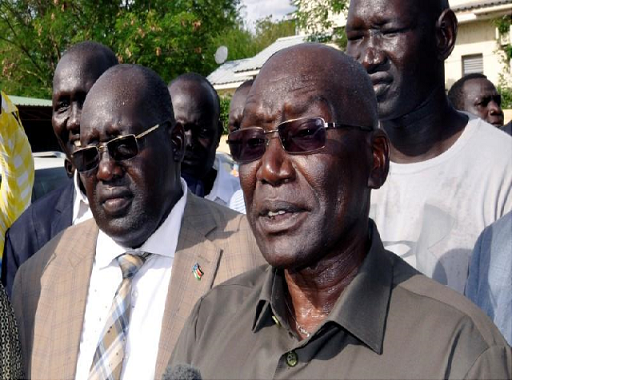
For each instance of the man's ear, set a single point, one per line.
(177, 142)
(446, 32)
(68, 167)
(380, 166)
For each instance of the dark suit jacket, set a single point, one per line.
(44, 219)
(50, 291)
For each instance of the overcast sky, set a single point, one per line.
(257, 9)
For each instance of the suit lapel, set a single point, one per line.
(185, 289)
(64, 210)
(60, 313)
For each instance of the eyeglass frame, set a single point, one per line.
(104, 146)
(326, 126)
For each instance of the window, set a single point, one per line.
(472, 64)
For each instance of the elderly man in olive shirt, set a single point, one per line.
(332, 303)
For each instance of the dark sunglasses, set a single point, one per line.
(297, 136)
(121, 148)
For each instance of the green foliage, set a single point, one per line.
(314, 17)
(171, 37)
(225, 103)
(503, 25)
(507, 95)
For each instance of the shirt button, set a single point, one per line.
(292, 359)
(135, 294)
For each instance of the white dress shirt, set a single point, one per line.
(226, 188)
(81, 210)
(148, 295)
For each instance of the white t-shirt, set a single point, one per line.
(226, 189)
(431, 213)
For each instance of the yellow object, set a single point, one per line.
(16, 165)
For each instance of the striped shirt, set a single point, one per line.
(16, 165)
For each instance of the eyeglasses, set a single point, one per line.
(121, 148)
(297, 136)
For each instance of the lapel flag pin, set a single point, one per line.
(197, 271)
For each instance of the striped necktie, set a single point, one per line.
(109, 356)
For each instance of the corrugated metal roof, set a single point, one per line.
(479, 4)
(258, 60)
(29, 101)
(232, 71)
(225, 73)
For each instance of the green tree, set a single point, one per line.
(171, 36)
(314, 16)
(503, 24)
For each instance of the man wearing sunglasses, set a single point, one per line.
(197, 108)
(106, 299)
(450, 172)
(75, 74)
(475, 94)
(332, 303)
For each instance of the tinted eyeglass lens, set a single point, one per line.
(123, 148)
(247, 144)
(85, 159)
(300, 136)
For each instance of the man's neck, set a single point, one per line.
(426, 132)
(314, 291)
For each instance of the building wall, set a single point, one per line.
(474, 38)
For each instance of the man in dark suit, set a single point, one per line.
(107, 299)
(77, 71)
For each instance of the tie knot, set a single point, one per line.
(130, 263)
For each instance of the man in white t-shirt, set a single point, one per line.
(450, 173)
(196, 106)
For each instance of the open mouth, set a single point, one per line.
(280, 217)
(75, 140)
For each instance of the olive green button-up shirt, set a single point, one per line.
(391, 322)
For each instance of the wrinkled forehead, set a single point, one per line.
(75, 71)
(111, 110)
(288, 96)
(365, 13)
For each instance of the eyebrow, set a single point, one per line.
(311, 101)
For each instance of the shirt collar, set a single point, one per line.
(223, 185)
(79, 198)
(361, 309)
(163, 241)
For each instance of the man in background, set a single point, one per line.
(475, 94)
(197, 108)
(236, 109)
(78, 69)
(450, 172)
(490, 270)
